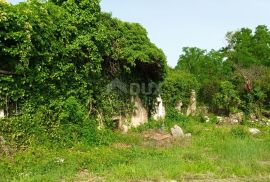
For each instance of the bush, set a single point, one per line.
(177, 86)
(47, 127)
(228, 98)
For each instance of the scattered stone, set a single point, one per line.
(254, 131)
(59, 160)
(192, 104)
(178, 106)
(265, 122)
(232, 119)
(220, 119)
(24, 174)
(206, 119)
(188, 135)
(254, 118)
(177, 131)
(236, 117)
(159, 112)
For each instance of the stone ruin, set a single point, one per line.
(2, 113)
(140, 113)
(179, 106)
(192, 107)
(159, 112)
(138, 117)
(234, 118)
(191, 110)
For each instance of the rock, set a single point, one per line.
(100, 120)
(188, 135)
(138, 117)
(140, 113)
(178, 106)
(232, 119)
(220, 119)
(125, 129)
(254, 131)
(159, 112)
(59, 160)
(236, 117)
(2, 113)
(265, 121)
(192, 104)
(206, 119)
(254, 118)
(177, 132)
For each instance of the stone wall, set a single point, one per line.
(2, 113)
(159, 112)
(140, 113)
(191, 110)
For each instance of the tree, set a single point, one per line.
(228, 98)
(177, 87)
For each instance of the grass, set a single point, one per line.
(214, 152)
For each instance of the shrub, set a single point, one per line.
(62, 129)
(177, 86)
(227, 98)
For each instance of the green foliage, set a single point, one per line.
(246, 48)
(64, 128)
(209, 68)
(235, 77)
(202, 64)
(59, 57)
(228, 97)
(177, 87)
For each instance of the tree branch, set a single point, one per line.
(3, 72)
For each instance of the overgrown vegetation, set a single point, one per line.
(232, 79)
(57, 61)
(224, 152)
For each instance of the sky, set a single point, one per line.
(174, 24)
